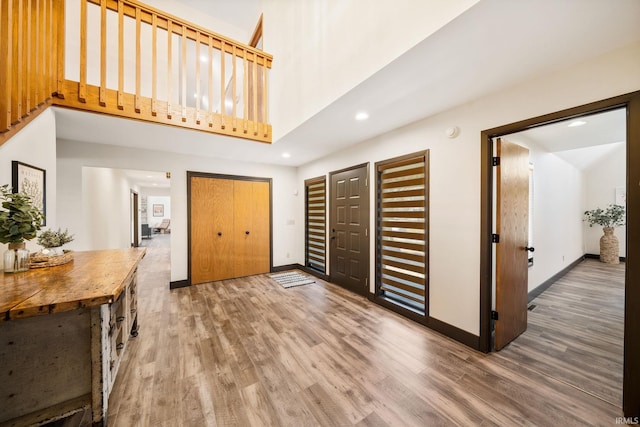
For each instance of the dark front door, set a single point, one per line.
(512, 225)
(349, 229)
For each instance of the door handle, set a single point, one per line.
(527, 248)
(246, 232)
(219, 233)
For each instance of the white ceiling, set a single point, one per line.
(148, 179)
(581, 146)
(493, 45)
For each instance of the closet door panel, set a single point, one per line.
(211, 229)
(242, 227)
(261, 230)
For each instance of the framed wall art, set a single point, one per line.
(31, 180)
(158, 210)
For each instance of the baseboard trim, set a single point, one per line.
(179, 284)
(536, 292)
(596, 256)
(285, 267)
(434, 324)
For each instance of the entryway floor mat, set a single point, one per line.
(290, 279)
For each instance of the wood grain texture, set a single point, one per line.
(211, 229)
(512, 219)
(248, 352)
(575, 333)
(92, 279)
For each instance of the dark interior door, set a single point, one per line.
(512, 225)
(349, 229)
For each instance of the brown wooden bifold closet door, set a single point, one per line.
(230, 228)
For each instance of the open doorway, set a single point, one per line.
(631, 102)
(574, 324)
(114, 207)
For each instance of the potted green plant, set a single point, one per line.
(52, 241)
(20, 220)
(609, 218)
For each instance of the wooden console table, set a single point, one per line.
(63, 331)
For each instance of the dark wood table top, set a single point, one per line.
(93, 278)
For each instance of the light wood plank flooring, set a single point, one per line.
(576, 331)
(248, 352)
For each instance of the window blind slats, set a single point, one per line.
(407, 183)
(418, 225)
(316, 224)
(402, 235)
(409, 267)
(404, 245)
(419, 237)
(403, 193)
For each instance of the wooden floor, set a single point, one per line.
(576, 331)
(248, 352)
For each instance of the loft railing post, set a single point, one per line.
(183, 72)
(154, 64)
(210, 81)
(82, 89)
(17, 65)
(60, 40)
(234, 94)
(169, 66)
(103, 53)
(245, 92)
(254, 93)
(137, 97)
(198, 77)
(223, 95)
(120, 55)
(6, 41)
(30, 63)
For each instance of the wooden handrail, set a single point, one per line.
(110, 81)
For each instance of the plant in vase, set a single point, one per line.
(610, 218)
(20, 220)
(52, 241)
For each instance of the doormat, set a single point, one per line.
(290, 279)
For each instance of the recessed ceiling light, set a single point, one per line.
(362, 115)
(203, 58)
(576, 123)
(286, 155)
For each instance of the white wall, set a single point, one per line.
(454, 263)
(73, 156)
(34, 145)
(324, 48)
(558, 205)
(602, 180)
(106, 204)
(158, 200)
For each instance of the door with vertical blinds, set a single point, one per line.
(402, 232)
(316, 220)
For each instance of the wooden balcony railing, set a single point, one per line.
(132, 60)
(28, 60)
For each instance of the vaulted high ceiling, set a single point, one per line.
(494, 45)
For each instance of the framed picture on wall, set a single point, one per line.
(158, 210)
(32, 181)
